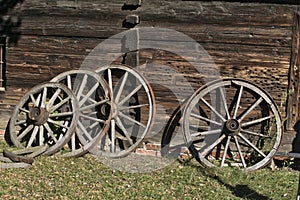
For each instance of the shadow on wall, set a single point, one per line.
(296, 146)
(9, 23)
(296, 141)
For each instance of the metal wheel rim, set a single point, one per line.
(57, 119)
(238, 133)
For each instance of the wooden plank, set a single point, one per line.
(293, 89)
(17, 158)
(14, 165)
(5, 159)
(56, 19)
(293, 2)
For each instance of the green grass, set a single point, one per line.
(54, 177)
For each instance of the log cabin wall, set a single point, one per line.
(246, 40)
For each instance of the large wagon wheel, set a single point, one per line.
(133, 111)
(46, 115)
(232, 122)
(92, 92)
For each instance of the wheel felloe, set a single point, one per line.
(93, 95)
(133, 110)
(40, 120)
(232, 122)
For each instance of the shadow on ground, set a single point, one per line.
(240, 190)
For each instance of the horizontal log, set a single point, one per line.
(189, 17)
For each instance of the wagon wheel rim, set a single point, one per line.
(93, 94)
(132, 119)
(46, 115)
(232, 122)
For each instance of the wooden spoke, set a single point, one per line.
(256, 103)
(44, 98)
(83, 108)
(224, 102)
(37, 101)
(253, 133)
(20, 122)
(53, 98)
(93, 118)
(240, 151)
(50, 132)
(33, 136)
(121, 88)
(205, 119)
(33, 100)
(82, 138)
(225, 150)
(197, 127)
(94, 88)
(252, 145)
(110, 81)
(113, 135)
(130, 94)
(120, 124)
(208, 149)
(27, 130)
(212, 109)
(60, 123)
(41, 136)
(69, 82)
(57, 106)
(84, 131)
(82, 85)
(203, 133)
(133, 107)
(238, 102)
(132, 120)
(93, 125)
(24, 110)
(73, 142)
(63, 114)
(256, 121)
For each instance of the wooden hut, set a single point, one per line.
(253, 40)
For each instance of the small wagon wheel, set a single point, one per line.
(232, 122)
(92, 93)
(46, 115)
(133, 106)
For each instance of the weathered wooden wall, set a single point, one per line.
(246, 40)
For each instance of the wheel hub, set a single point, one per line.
(38, 115)
(105, 110)
(232, 127)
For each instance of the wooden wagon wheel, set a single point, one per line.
(133, 105)
(46, 115)
(232, 122)
(93, 94)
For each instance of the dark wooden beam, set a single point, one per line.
(293, 91)
(289, 2)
